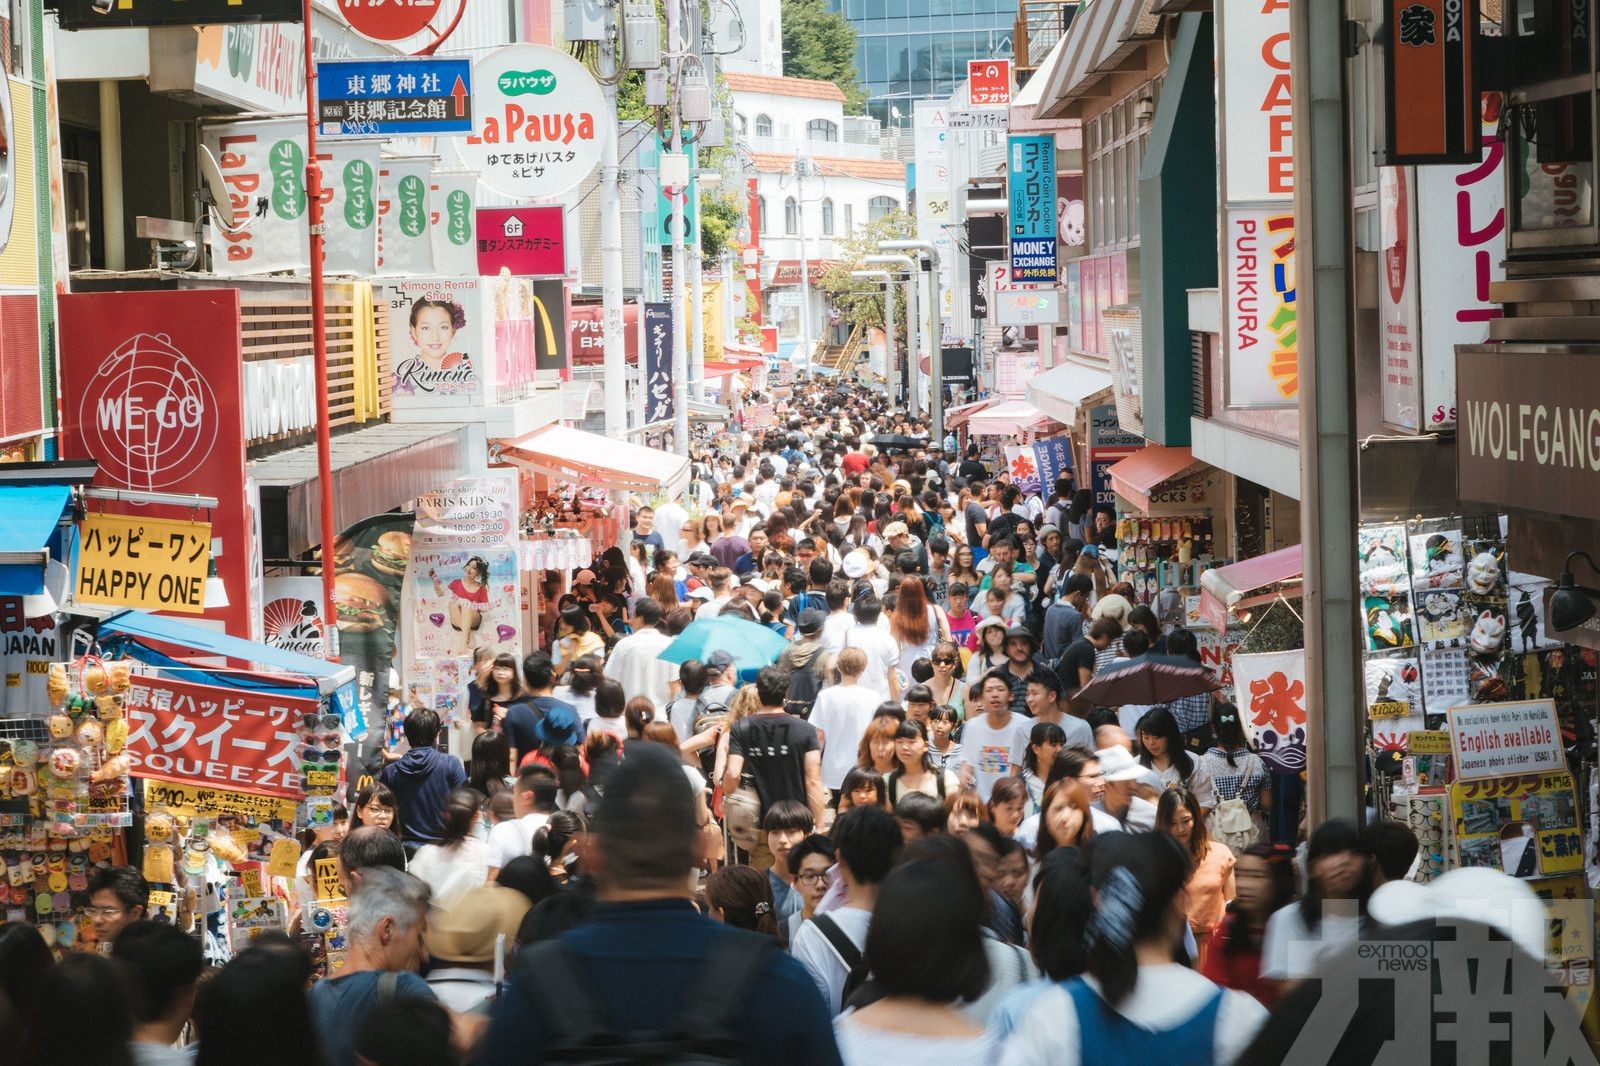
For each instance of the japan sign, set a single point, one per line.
(235, 739)
(1031, 176)
(394, 97)
(988, 82)
(132, 561)
(528, 241)
(537, 128)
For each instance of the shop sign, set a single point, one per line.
(1505, 739)
(988, 82)
(452, 200)
(27, 648)
(1429, 107)
(1428, 742)
(436, 335)
(461, 599)
(537, 127)
(1054, 458)
(1461, 240)
(399, 97)
(524, 240)
(291, 616)
(1529, 435)
(405, 217)
(469, 511)
(658, 398)
(241, 740)
(1125, 345)
(199, 801)
(1027, 307)
(1013, 371)
(156, 382)
(1272, 692)
(955, 369)
(1399, 309)
(98, 14)
(280, 398)
(1109, 444)
(586, 333)
(1525, 826)
(152, 563)
(383, 21)
(1259, 308)
(1255, 105)
(995, 119)
(1031, 180)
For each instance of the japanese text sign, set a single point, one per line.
(128, 561)
(394, 97)
(1054, 456)
(1031, 174)
(1505, 739)
(1271, 691)
(536, 127)
(381, 21)
(1526, 825)
(988, 82)
(196, 801)
(528, 241)
(1429, 110)
(90, 14)
(658, 405)
(1260, 302)
(232, 739)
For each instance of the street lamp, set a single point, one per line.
(935, 355)
(888, 311)
(898, 264)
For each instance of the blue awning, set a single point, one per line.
(140, 625)
(29, 515)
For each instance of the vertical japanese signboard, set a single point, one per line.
(404, 218)
(658, 405)
(989, 82)
(451, 201)
(1031, 177)
(1429, 110)
(1263, 358)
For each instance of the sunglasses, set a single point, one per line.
(314, 758)
(326, 738)
(944, 662)
(318, 721)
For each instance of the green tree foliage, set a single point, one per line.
(719, 222)
(859, 301)
(821, 44)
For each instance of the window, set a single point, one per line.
(820, 129)
(880, 206)
(740, 123)
(1114, 144)
(761, 209)
(849, 220)
(1550, 130)
(763, 125)
(791, 217)
(827, 218)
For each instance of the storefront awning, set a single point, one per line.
(580, 456)
(29, 515)
(1101, 35)
(1135, 477)
(374, 470)
(139, 625)
(1011, 417)
(1227, 587)
(1063, 391)
(956, 417)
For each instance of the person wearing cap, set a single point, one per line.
(805, 654)
(1063, 620)
(1122, 775)
(1022, 664)
(897, 538)
(470, 944)
(994, 744)
(647, 949)
(721, 679)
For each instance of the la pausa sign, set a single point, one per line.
(535, 131)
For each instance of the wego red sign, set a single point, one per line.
(388, 20)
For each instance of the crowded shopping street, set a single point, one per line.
(811, 532)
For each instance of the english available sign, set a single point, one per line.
(536, 123)
(1505, 739)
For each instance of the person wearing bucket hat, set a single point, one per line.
(471, 943)
(1122, 773)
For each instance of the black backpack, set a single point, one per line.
(848, 954)
(580, 1031)
(804, 684)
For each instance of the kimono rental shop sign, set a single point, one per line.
(216, 737)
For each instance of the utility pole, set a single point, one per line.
(616, 352)
(802, 167)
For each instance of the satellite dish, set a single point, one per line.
(214, 194)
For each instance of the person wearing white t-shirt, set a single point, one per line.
(1121, 773)
(533, 799)
(841, 714)
(994, 745)
(1339, 875)
(882, 674)
(868, 839)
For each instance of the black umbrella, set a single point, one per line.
(898, 440)
(1149, 679)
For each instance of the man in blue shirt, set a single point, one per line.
(647, 948)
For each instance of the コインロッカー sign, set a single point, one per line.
(1528, 429)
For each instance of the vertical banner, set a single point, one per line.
(436, 341)
(1109, 444)
(1023, 466)
(658, 401)
(1054, 457)
(1271, 689)
(1399, 308)
(1253, 100)
(1031, 178)
(292, 617)
(405, 243)
(259, 161)
(1263, 360)
(452, 201)
(350, 184)
(1428, 110)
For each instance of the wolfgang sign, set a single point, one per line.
(1529, 430)
(536, 122)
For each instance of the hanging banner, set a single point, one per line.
(452, 199)
(463, 599)
(1399, 308)
(1271, 690)
(1124, 332)
(1259, 304)
(1054, 456)
(291, 618)
(132, 561)
(1428, 111)
(241, 740)
(1254, 101)
(658, 400)
(351, 170)
(405, 240)
(1022, 466)
(1031, 179)
(537, 124)
(370, 560)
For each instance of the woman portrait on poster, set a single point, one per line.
(434, 324)
(469, 596)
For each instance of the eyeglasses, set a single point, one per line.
(812, 877)
(104, 912)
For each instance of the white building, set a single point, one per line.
(820, 175)
(758, 32)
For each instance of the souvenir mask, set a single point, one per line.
(1488, 633)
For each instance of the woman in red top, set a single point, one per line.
(1263, 882)
(469, 597)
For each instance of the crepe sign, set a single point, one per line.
(1271, 689)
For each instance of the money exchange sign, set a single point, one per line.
(1031, 176)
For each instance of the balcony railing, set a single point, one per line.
(1040, 24)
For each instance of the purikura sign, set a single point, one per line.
(536, 126)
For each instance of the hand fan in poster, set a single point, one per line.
(1389, 623)
(1381, 559)
(1436, 561)
(1394, 698)
(1443, 618)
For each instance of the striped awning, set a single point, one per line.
(1104, 34)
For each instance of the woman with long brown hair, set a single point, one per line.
(664, 590)
(741, 897)
(916, 624)
(1065, 821)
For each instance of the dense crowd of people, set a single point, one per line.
(904, 836)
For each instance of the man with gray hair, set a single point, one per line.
(387, 924)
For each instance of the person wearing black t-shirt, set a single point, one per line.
(1077, 662)
(781, 754)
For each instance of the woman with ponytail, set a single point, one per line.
(1134, 1003)
(459, 862)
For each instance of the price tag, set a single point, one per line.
(283, 858)
(1428, 742)
(1389, 709)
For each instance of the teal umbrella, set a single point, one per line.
(752, 646)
